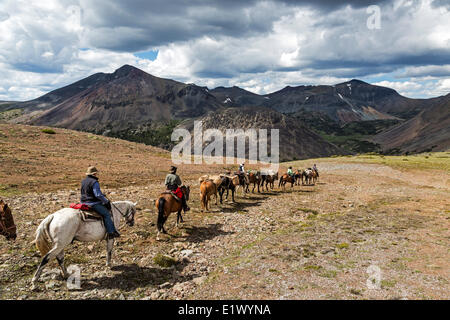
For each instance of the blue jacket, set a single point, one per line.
(91, 193)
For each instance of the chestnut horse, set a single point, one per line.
(285, 178)
(207, 189)
(7, 226)
(254, 178)
(166, 204)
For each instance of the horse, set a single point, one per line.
(7, 227)
(254, 178)
(207, 189)
(241, 182)
(166, 204)
(298, 174)
(268, 178)
(317, 175)
(227, 183)
(285, 178)
(310, 176)
(62, 227)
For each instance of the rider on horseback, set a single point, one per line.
(290, 172)
(92, 196)
(173, 183)
(243, 173)
(315, 169)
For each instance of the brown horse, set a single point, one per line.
(7, 226)
(207, 189)
(254, 178)
(298, 177)
(285, 178)
(166, 204)
(269, 179)
(240, 180)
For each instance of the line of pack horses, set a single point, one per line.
(217, 185)
(61, 228)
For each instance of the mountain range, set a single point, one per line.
(314, 121)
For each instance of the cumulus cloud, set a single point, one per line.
(259, 45)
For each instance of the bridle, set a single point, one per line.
(126, 215)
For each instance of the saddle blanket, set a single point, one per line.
(86, 212)
(80, 206)
(177, 194)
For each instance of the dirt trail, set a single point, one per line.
(313, 242)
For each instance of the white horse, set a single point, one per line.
(62, 227)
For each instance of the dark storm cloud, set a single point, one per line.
(114, 25)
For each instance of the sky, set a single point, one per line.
(261, 46)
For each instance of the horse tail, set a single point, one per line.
(43, 239)
(161, 202)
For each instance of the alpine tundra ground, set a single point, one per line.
(372, 227)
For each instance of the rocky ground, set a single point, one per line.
(364, 231)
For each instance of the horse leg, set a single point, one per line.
(221, 194)
(109, 248)
(232, 195)
(56, 250)
(60, 258)
(180, 218)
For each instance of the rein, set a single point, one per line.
(123, 215)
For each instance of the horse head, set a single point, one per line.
(7, 226)
(186, 190)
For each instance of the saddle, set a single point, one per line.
(172, 194)
(86, 213)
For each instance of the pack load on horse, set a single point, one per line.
(310, 176)
(7, 227)
(287, 177)
(208, 187)
(174, 199)
(93, 198)
(61, 228)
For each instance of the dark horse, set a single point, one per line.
(7, 226)
(166, 204)
(226, 184)
(268, 179)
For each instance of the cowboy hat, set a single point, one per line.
(91, 171)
